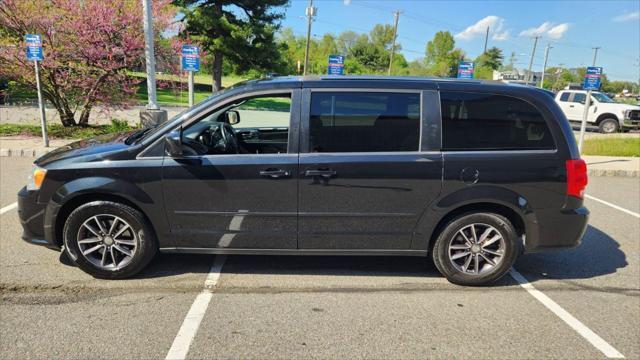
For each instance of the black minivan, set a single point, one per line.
(471, 172)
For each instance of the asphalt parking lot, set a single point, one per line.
(327, 307)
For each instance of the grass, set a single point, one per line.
(612, 147)
(57, 131)
(202, 79)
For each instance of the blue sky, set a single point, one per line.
(571, 27)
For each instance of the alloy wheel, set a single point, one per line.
(107, 241)
(476, 249)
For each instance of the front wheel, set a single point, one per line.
(609, 126)
(109, 240)
(476, 249)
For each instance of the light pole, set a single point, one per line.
(396, 14)
(152, 116)
(535, 43)
(544, 67)
(310, 11)
(587, 104)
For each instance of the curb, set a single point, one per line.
(35, 153)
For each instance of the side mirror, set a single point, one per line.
(173, 143)
(233, 117)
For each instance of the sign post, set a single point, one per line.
(336, 65)
(591, 82)
(465, 70)
(34, 53)
(190, 63)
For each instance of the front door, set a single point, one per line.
(363, 181)
(237, 187)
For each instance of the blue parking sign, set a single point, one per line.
(465, 70)
(336, 65)
(34, 47)
(190, 58)
(592, 78)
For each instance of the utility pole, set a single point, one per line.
(486, 40)
(310, 11)
(530, 74)
(544, 67)
(153, 116)
(587, 104)
(396, 14)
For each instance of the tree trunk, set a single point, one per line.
(66, 116)
(217, 70)
(84, 116)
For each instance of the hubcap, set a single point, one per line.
(476, 249)
(609, 127)
(107, 241)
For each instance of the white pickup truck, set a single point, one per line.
(608, 115)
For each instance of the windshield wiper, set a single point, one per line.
(136, 136)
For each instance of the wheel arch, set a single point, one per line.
(607, 115)
(509, 213)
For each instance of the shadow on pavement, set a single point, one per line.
(332, 265)
(598, 255)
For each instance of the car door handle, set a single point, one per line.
(323, 173)
(571, 106)
(274, 173)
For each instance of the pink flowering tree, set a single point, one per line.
(88, 46)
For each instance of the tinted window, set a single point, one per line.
(579, 98)
(565, 96)
(491, 122)
(364, 122)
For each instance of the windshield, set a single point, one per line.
(602, 97)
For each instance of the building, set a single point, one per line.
(517, 76)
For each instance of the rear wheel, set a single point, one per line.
(109, 240)
(609, 126)
(476, 249)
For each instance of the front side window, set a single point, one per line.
(364, 122)
(579, 98)
(253, 125)
(473, 121)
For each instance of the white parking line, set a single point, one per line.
(191, 323)
(613, 205)
(8, 208)
(595, 340)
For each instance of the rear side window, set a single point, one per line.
(492, 122)
(364, 122)
(579, 98)
(565, 96)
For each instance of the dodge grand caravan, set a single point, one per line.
(470, 173)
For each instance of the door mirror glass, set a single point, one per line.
(173, 143)
(233, 117)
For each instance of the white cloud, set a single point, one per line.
(627, 17)
(346, 2)
(558, 31)
(547, 28)
(495, 24)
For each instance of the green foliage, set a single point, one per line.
(57, 131)
(442, 57)
(240, 31)
(612, 146)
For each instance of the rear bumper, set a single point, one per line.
(32, 219)
(556, 229)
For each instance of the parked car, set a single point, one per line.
(608, 115)
(468, 172)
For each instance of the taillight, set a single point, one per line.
(576, 177)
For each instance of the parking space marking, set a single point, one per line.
(8, 208)
(595, 340)
(613, 205)
(180, 347)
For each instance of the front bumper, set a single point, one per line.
(631, 119)
(557, 229)
(32, 219)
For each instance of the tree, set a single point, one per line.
(87, 50)
(242, 31)
(442, 57)
(491, 59)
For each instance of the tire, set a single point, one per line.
(453, 269)
(105, 250)
(609, 126)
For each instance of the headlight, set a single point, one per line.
(36, 178)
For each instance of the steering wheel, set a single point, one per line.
(222, 139)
